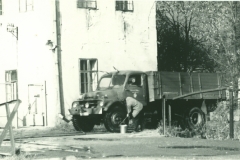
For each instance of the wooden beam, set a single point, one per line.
(9, 123)
(10, 128)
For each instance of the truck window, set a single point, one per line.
(111, 81)
(104, 82)
(135, 80)
(118, 80)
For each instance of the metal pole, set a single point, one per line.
(231, 114)
(46, 115)
(164, 114)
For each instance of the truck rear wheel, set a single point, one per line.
(195, 119)
(113, 118)
(82, 123)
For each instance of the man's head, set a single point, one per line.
(133, 80)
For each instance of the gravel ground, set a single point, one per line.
(59, 143)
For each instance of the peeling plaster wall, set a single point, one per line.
(29, 55)
(126, 40)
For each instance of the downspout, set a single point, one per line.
(59, 60)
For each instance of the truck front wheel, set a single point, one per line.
(195, 119)
(113, 118)
(82, 123)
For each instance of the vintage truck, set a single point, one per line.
(189, 95)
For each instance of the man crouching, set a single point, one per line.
(134, 113)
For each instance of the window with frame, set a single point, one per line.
(88, 74)
(25, 5)
(11, 85)
(1, 7)
(124, 5)
(90, 4)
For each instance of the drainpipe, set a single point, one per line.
(59, 60)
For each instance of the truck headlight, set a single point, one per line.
(86, 105)
(101, 103)
(81, 96)
(74, 104)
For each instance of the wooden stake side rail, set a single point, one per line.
(200, 92)
(8, 125)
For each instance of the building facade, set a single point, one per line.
(51, 51)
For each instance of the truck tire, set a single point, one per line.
(113, 118)
(195, 119)
(84, 124)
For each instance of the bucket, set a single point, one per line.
(123, 129)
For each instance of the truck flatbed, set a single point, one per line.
(174, 84)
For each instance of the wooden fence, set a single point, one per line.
(8, 126)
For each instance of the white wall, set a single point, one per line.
(29, 55)
(100, 34)
(86, 33)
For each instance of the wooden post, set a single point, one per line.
(10, 129)
(200, 85)
(164, 114)
(231, 114)
(169, 115)
(160, 83)
(191, 83)
(180, 83)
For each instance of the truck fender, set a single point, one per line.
(204, 107)
(109, 104)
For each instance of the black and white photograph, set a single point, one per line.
(119, 79)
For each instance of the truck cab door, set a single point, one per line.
(136, 87)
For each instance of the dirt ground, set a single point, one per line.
(47, 143)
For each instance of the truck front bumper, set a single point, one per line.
(85, 111)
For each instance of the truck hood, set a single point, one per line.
(112, 94)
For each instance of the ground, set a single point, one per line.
(46, 143)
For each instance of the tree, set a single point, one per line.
(180, 42)
(200, 34)
(223, 37)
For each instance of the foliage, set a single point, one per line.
(180, 42)
(176, 131)
(221, 38)
(219, 127)
(201, 34)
